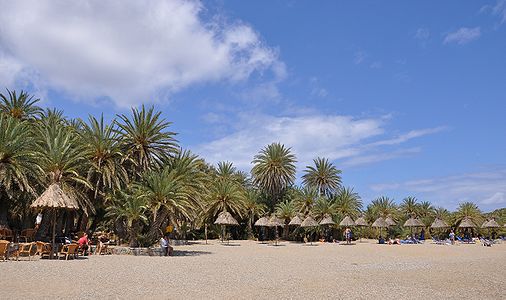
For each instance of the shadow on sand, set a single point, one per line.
(190, 253)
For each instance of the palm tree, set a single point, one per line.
(324, 177)
(409, 206)
(129, 207)
(104, 154)
(426, 212)
(21, 106)
(305, 199)
(17, 162)
(253, 208)
(285, 210)
(347, 203)
(61, 158)
(145, 139)
(274, 170)
(225, 196)
(468, 210)
(323, 207)
(382, 207)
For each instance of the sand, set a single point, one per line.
(248, 269)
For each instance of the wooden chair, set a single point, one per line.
(6, 234)
(69, 251)
(43, 249)
(27, 234)
(26, 249)
(4, 246)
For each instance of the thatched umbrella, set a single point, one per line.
(438, 223)
(308, 223)
(390, 221)
(224, 219)
(295, 221)
(347, 222)
(466, 223)
(327, 220)
(380, 223)
(413, 222)
(54, 198)
(490, 224)
(361, 222)
(275, 222)
(262, 222)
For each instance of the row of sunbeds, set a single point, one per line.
(42, 249)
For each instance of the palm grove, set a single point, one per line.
(130, 176)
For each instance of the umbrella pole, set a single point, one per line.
(205, 232)
(54, 233)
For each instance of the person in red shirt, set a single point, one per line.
(83, 243)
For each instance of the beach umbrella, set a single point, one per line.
(275, 222)
(54, 198)
(308, 223)
(466, 223)
(491, 224)
(347, 222)
(390, 221)
(295, 221)
(361, 222)
(413, 222)
(262, 222)
(380, 223)
(224, 219)
(438, 223)
(327, 220)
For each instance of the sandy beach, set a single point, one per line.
(248, 269)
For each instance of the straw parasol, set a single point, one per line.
(309, 222)
(361, 222)
(347, 222)
(491, 224)
(275, 222)
(54, 198)
(466, 223)
(327, 220)
(262, 222)
(295, 221)
(413, 222)
(225, 218)
(380, 223)
(438, 223)
(390, 221)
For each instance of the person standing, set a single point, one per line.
(38, 221)
(452, 237)
(164, 245)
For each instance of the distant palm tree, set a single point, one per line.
(305, 199)
(225, 196)
(145, 139)
(382, 207)
(468, 210)
(274, 170)
(410, 207)
(129, 207)
(253, 208)
(21, 106)
(347, 203)
(323, 207)
(323, 176)
(285, 210)
(426, 212)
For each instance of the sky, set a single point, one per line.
(406, 98)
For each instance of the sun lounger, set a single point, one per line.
(43, 249)
(26, 249)
(69, 250)
(27, 235)
(4, 246)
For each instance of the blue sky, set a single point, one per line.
(406, 98)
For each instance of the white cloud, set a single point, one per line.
(499, 9)
(129, 51)
(359, 57)
(487, 188)
(463, 36)
(335, 137)
(422, 34)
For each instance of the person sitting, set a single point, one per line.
(83, 244)
(381, 240)
(167, 250)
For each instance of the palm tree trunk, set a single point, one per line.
(160, 218)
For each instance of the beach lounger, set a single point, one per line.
(69, 250)
(4, 246)
(26, 249)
